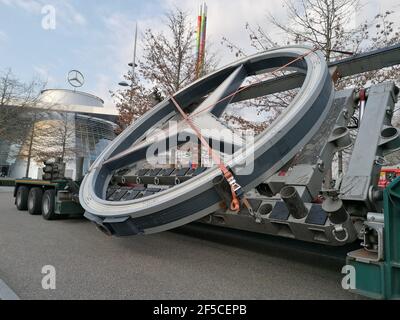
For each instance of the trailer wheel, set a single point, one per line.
(22, 198)
(35, 201)
(48, 204)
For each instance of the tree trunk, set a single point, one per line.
(30, 148)
(63, 149)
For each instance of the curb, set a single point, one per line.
(6, 293)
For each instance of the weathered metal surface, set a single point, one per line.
(196, 198)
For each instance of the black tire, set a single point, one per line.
(35, 201)
(48, 205)
(21, 199)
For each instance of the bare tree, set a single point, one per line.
(51, 136)
(383, 33)
(32, 144)
(18, 115)
(65, 133)
(15, 99)
(328, 25)
(168, 65)
(55, 138)
(169, 60)
(323, 24)
(133, 102)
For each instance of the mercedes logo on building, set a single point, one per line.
(76, 78)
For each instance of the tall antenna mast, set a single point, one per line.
(201, 39)
(134, 52)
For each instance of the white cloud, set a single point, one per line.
(370, 9)
(121, 30)
(43, 73)
(68, 12)
(31, 6)
(227, 18)
(3, 36)
(64, 10)
(102, 90)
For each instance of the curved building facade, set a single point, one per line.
(76, 119)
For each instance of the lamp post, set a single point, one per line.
(133, 66)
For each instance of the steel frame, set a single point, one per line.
(319, 135)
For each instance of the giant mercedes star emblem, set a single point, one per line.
(137, 210)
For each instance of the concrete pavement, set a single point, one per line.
(172, 265)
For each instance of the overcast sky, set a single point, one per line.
(96, 36)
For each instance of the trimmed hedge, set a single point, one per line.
(7, 182)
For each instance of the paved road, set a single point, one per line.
(172, 265)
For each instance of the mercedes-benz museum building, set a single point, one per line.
(92, 126)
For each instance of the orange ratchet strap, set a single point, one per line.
(235, 187)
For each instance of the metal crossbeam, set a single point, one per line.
(369, 61)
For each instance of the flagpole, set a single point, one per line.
(203, 38)
(198, 40)
(134, 53)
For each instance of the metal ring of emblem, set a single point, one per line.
(196, 198)
(76, 79)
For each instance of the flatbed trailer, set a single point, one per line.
(287, 177)
(290, 191)
(52, 199)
